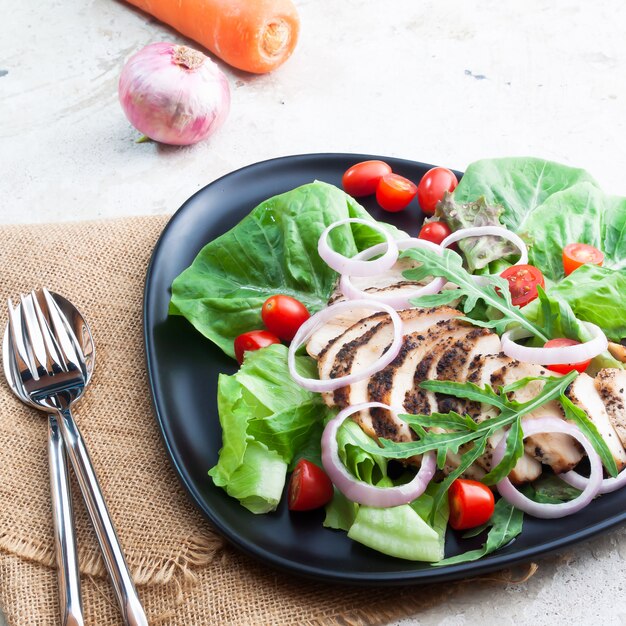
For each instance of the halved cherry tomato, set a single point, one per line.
(565, 368)
(309, 487)
(523, 281)
(395, 192)
(283, 315)
(471, 504)
(433, 185)
(253, 340)
(435, 232)
(577, 254)
(362, 179)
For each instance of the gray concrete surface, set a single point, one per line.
(443, 81)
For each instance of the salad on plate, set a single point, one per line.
(464, 377)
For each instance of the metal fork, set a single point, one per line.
(51, 365)
(63, 522)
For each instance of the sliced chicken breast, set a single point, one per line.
(559, 451)
(611, 384)
(584, 394)
(365, 349)
(479, 372)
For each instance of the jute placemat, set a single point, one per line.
(185, 573)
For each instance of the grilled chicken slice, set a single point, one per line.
(391, 384)
(584, 394)
(364, 349)
(454, 365)
(611, 384)
(559, 451)
(480, 371)
(391, 281)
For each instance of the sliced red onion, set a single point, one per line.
(361, 492)
(355, 266)
(606, 486)
(319, 319)
(551, 511)
(393, 299)
(553, 356)
(497, 231)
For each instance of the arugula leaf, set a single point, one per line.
(550, 489)
(506, 524)
(459, 432)
(579, 417)
(493, 292)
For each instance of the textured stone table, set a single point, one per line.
(437, 81)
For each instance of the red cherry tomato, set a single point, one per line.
(362, 179)
(309, 487)
(471, 504)
(394, 192)
(523, 281)
(435, 232)
(566, 368)
(433, 185)
(283, 315)
(253, 340)
(577, 254)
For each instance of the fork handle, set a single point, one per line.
(130, 606)
(68, 576)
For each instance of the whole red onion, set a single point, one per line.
(174, 94)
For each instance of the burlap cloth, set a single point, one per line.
(185, 572)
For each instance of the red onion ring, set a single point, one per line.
(361, 492)
(551, 511)
(554, 356)
(320, 318)
(394, 300)
(354, 265)
(606, 486)
(497, 231)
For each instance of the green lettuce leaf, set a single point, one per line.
(267, 422)
(519, 184)
(272, 250)
(595, 294)
(402, 531)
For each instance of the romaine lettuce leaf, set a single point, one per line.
(272, 250)
(267, 421)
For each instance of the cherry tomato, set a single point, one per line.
(471, 504)
(566, 368)
(283, 315)
(253, 340)
(362, 179)
(577, 254)
(309, 487)
(435, 232)
(433, 185)
(523, 281)
(394, 192)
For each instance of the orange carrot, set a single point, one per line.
(252, 35)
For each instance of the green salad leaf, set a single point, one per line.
(493, 292)
(267, 422)
(551, 205)
(518, 184)
(479, 252)
(505, 524)
(271, 251)
(593, 294)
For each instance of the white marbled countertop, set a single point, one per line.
(444, 82)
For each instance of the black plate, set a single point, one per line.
(183, 369)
